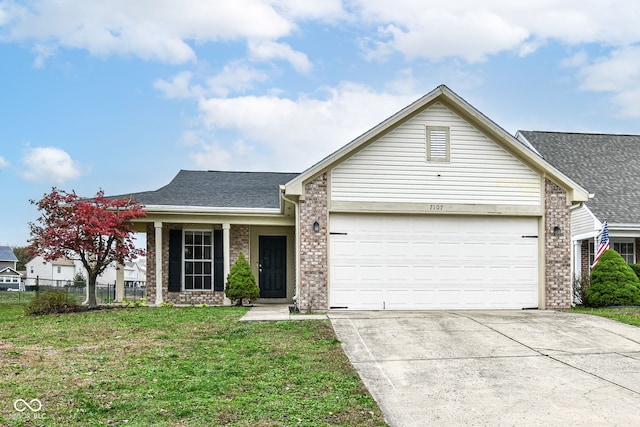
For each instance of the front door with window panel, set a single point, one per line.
(272, 267)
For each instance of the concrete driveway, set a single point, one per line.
(495, 367)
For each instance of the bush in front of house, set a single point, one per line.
(241, 283)
(52, 302)
(613, 282)
(636, 269)
(580, 286)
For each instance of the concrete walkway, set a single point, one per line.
(276, 312)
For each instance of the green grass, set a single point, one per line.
(191, 366)
(630, 316)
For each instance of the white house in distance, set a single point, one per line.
(61, 272)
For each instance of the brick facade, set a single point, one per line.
(239, 242)
(314, 263)
(584, 258)
(557, 248)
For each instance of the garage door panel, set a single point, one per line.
(435, 262)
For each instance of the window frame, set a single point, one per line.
(615, 243)
(203, 274)
(430, 145)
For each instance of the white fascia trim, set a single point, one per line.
(520, 137)
(585, 236)
(207, 209)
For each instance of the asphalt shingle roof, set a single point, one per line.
(606, 165)
(6, 254)
(219, 189)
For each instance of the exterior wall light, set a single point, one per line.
(557, 231)
(316, 226)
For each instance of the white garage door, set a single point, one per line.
(383, 262)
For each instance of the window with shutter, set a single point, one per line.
(196, 260)
(437, 144)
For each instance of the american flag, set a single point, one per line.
(603, 245)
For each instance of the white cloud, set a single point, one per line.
(312, 9)
(235, 77)
(42, 52)
(150, 29)
(294, 133)
(473, 30)
(618, 74)
(239, 156)
(50, 164)
(267, 50)
(178, 87)
(4, 163)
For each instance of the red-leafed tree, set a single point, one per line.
(97, 231)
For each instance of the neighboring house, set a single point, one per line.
(10, 278)
(8, 258)
(135, 273)
(607, 166)
(436, 207)
(59, 272)
(62, 271)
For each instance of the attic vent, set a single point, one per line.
(437, 144)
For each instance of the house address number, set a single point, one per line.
(436, 208)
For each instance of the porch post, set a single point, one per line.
(226, 245)
(119, 283)
(159, 281)
(577, 259)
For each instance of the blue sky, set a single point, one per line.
(120, 95)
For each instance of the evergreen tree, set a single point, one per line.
(241, 283)
(613, 282)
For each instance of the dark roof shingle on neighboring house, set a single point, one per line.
(607, 165)
(6, 254)
(218, 189)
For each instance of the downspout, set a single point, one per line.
(297, 234)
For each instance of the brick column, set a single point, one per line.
(239, 242)
(557, 248)
(313, 246)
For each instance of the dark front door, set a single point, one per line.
(272, 267)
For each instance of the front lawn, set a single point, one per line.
(196, 366)
(630, 316)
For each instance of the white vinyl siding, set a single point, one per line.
(395, 168)
(583, 222)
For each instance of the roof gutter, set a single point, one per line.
(209, 209)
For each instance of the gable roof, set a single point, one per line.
(451, 100)
(218, 189)
(605, 164)
(6, 254)
(8, 271)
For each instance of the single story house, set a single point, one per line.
(606, 165)
(437, 207)
(10, 278)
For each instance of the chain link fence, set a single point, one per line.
(105, 292)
